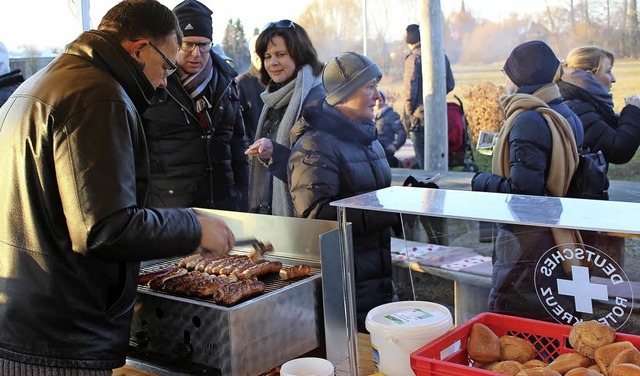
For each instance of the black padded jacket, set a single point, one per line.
(191, 167)
(335, 158)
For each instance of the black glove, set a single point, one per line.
(410, 180)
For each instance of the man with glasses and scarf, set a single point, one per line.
(194, 126)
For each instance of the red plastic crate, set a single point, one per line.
(550, 339)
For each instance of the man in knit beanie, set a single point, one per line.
(195, 129)
(337, 155)
(412, 90)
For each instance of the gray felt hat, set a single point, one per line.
(346, 73)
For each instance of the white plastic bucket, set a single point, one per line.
(400, 328)
(307, 367)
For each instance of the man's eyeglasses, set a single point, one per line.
(190, 46)
(282, 24)
(172, 67)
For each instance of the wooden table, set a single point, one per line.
(366, 366)
(365, 359)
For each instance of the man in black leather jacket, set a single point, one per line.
(73, 222)
(194, 126)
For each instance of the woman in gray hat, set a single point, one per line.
(336, 155)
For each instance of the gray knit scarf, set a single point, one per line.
(292, 95)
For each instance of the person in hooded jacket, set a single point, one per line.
(194, 126)
(336, 155)
(391, 133)
(525, 162)
(250, 89)
(75, 224)
(585, 85)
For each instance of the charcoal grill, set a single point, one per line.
(255, 335)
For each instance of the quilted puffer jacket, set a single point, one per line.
(335, 158)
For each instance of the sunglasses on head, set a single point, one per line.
(282, 24)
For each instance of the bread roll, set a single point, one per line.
(587, 336)
(631, 356)
(566, 362)
(538, 371)
(534, 363)
(516, 348)
(604, 354)
(581, 371)
(624, 369)
(508, 367)
(483, 345)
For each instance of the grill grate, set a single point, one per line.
(272, 281)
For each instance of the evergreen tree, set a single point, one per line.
(234, 45)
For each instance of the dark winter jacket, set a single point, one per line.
(391, 133)
(412, 85)
(9, 83)
(191, 167)
(72, 224)
(335, 158)
(517, 248)
(250, 89)
(618, 137)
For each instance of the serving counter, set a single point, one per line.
(468, 207)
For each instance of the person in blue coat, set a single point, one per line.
(526, 162)
(391, 133)
(336, 155)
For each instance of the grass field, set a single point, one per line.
(627, 83)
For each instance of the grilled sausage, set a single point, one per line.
(144, 278)
(157, 282)
(261, 269)
(295, 271)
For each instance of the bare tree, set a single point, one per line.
(334, 26)
(632, 27)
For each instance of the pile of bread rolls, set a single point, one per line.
(596, 353)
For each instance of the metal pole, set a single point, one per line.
(82, 7)
(364, 27)
(348, 281)
(436, 143)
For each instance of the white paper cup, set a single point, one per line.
(307, 367)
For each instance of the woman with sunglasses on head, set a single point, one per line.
(291, 72)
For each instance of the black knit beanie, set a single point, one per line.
(531, 63)
(413, 34)
(194, 19)
(346, 73)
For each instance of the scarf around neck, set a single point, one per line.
(291, 95)
(195, 84)
(588, 83)
(564, 152)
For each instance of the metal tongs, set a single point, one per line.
(259, 247)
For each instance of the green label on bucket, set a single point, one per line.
(408, 317)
